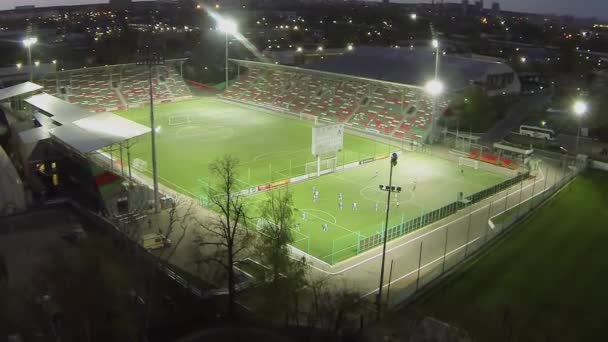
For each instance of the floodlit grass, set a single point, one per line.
(269, 147)
(546, 282)
(272, 147)
(428, 183)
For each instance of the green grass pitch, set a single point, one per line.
(272, 148)
(545, 282)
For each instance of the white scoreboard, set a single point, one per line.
(326, 139)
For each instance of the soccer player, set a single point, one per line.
(341, 204)
(298, 226)
(397, 196)
(397, 203)
(462, 171)
(303, 216)
(314, 189)
(377, 206)
(355, 206)
(377, 172)
(317, 194)
(325, 227)
(340, 197)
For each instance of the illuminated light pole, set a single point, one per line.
(435, 43)
(580, 108)
(148, 56)
(228, 27)
(434, 88)
(28, 42)
(390, 188)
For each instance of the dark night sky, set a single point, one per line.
(598, 8)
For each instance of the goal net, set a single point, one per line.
(139, 165)
(179, 119)
(310, 118)
(327, 165)
(468, 162)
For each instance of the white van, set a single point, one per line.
(154, 241)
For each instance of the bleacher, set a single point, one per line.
(116, 87)
(396, 111)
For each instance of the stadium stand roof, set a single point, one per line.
(97, 131)
(60, 111)
(320, 73)
(408, 66)
(79, 129)
(18, 90)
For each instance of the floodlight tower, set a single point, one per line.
(580, 109)
(28, 42)
(435, 43)
(434, 88)
(151, 57)
(228, 27)
(390, 188)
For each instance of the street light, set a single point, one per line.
(435, 43)
(28, 42)
(390, 188)
(229, 27)
(580, 108)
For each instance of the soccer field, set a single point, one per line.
(269, 147)
(273, 148)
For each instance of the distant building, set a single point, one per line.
(24, 7)
(479, 5)
(120, 4)
(465, 7)
(496, 7)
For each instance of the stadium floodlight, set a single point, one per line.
(413, 16)
(54, 61)
(434, 87)
(19, 65)
(350, 47)
(320, 48)
(37, 63)
(388, 188)
(299, 49)
(228, 27)
(150, 57)
(580, 109)
(523, 60)
(28, 43)
(435, 43)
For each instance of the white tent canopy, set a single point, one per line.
(18, 90)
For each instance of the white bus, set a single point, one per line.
(537, 132)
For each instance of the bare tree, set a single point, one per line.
(276, 233)
(285, 278)
(181, 216)
(227, 235)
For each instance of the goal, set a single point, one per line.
(326, 166)
(139, 165)
(179, 119)
(310, 118)
(468, 162)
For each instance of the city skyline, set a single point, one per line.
(589, 8)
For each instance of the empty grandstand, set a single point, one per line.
(117, 87)
(388, 109)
